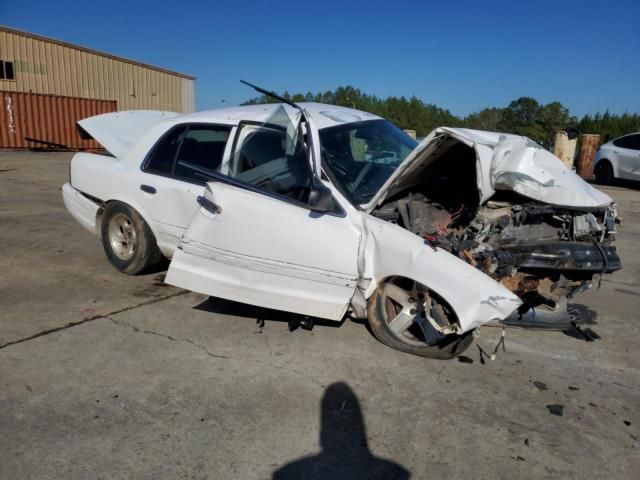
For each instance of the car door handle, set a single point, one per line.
(148, 189)
(208, 205)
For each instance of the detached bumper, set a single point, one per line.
(80, 207)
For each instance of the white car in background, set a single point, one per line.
(619, 158)
(326, 211)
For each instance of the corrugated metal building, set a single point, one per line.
(47, 85)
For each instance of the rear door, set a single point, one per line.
(175, 173)
(255, 240)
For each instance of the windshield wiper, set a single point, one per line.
(273, 95)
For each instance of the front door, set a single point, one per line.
(255, 240)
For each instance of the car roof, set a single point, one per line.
(323, 115)
(627, 135)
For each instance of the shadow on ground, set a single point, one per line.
(344, 450)
(618, 182)
(244, 310)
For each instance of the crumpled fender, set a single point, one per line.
(390, 250)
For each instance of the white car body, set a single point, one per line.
(623, 154)
(261, 250)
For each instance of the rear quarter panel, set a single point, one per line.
(106, 179)
(93, 174)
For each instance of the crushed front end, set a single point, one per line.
(544, 254)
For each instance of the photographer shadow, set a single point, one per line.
(345, 452)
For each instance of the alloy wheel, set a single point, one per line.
(410, 313)
(122, 236)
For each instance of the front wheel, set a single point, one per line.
(402, 314)
(127, 239)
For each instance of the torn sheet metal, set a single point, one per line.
(118, 132)
(504, 162)
(520, 165)
(390, 250)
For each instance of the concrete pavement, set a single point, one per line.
(104, 375)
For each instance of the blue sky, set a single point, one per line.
(463, 56)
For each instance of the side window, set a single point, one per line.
(629, 141)
(201, 152)
(261, 159)
(164, 152)
(620, 142)
(6, 70)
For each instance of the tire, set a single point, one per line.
(127, 239)
(604, 172)
(427, 341)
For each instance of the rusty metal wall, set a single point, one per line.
(49, 118)
(48, 66)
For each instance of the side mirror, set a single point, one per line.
(320, 197)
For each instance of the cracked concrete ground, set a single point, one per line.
(103, 375)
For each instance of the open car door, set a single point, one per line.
(254, 238)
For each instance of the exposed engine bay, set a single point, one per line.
(543, 253)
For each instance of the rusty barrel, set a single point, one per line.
(588, 147)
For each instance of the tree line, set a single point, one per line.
(523, 116)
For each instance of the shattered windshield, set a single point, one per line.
(363, 155)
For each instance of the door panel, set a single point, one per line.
(632, 164)
(627, 158)
(171, 207)
(627, 151)
(265, 251)
(175, 172)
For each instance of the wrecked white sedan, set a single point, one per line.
(324, 211)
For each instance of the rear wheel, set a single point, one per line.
(127, 239)
(402, 314)
(603, 172)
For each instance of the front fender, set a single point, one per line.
(613, 163)
(390, 250)
(605, 154)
